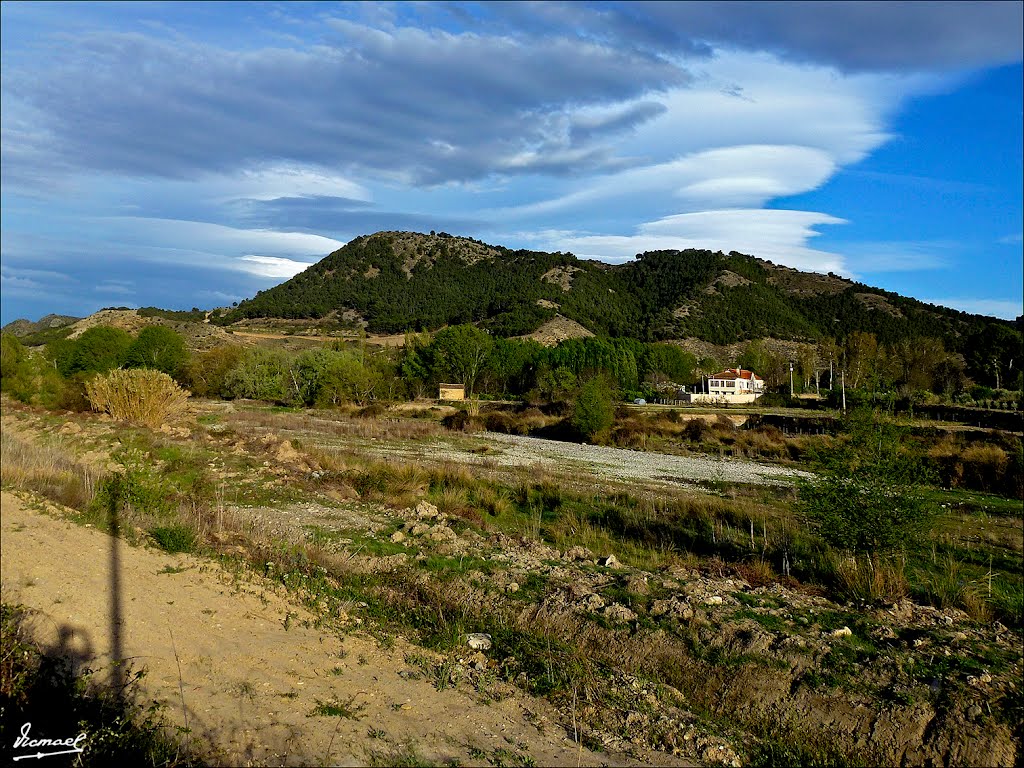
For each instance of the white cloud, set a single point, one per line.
(274, 181)
(741, 176)
(741, 98)
(778, 236)
(749, 128)
(1008, 309)
(271, 266)
(206, 237)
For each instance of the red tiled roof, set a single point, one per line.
(733, 373)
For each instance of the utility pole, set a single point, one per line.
(791, 378)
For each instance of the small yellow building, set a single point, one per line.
(452, 392)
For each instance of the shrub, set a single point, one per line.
(174, 538)
(372, 411)
(140, 395)
(15, 368)
(867, 497)
(206, 373)
(460, 420)
(259, 375)
(696, 429)
(99, 349)
(496, 421)
(158, 347)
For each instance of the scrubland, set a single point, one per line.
(699, 617)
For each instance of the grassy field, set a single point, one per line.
(722, 629)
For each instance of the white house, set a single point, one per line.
(733, 385)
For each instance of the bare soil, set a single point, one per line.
(241, 665)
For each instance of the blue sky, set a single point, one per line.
(185, 155)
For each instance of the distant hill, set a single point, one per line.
(390, 282)
(22, 328)
(198, 334)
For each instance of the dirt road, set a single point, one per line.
(251, 674)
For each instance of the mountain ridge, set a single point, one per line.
(390, 282)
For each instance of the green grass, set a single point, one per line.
(174, 538)
(977, 502)
(347, 709)
(402, 756)
(766, 620)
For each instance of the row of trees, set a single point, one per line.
(350, 372)
(469, 355)
(907, 367)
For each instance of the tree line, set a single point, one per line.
(493, 366)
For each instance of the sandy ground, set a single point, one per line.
(217, 651)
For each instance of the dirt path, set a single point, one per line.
(251, 677)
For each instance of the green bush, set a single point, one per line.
(158, 347)
(16, 370)
(867, 496)
(98, 350)
(259, 375)
(174, 538)
(206, 373)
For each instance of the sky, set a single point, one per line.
(189, 155)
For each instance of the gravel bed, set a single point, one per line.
(626, 464)
(614, 463)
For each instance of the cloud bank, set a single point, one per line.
(149, 139)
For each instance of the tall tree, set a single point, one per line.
(861, 352)
(460, 353)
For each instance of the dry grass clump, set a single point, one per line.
(984, 466)
(452, 501)
(872, 579)
(758, 572)
(51, 471)
(950, 586)
(496, 501)
(763, 442)
(140, 395)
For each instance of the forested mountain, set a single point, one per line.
(398, 281)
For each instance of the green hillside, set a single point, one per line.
(397, 281)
